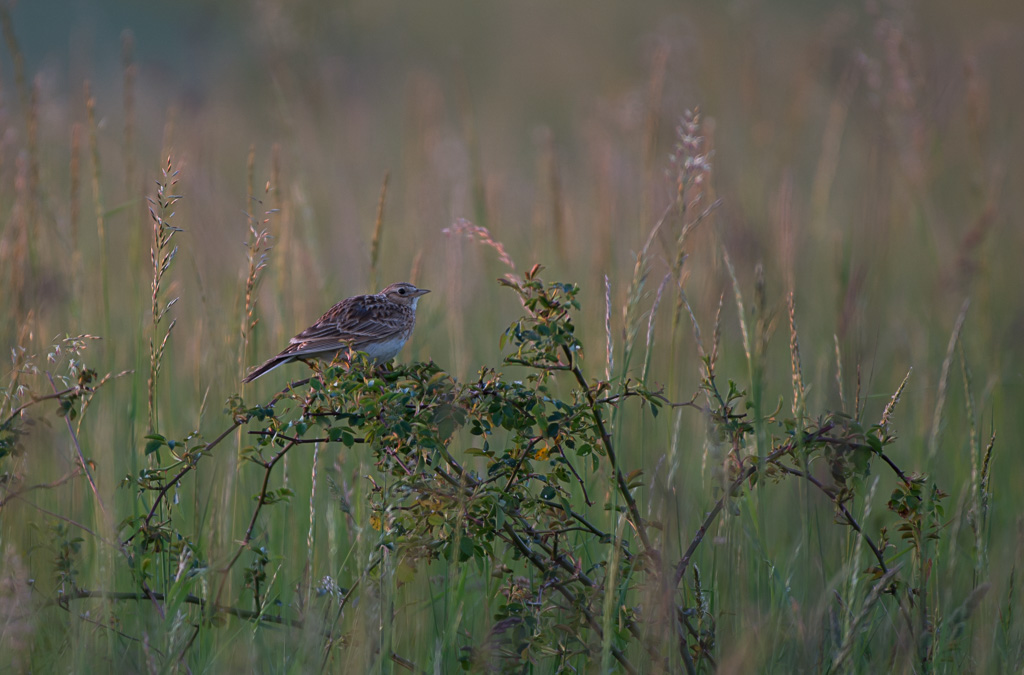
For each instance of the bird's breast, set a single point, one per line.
(385, 350)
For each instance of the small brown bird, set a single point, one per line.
(376, 324)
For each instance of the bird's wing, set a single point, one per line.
(351, 323)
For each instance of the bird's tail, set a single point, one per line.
(267, 367)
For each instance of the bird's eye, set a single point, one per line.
(401, 291)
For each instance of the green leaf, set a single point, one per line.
(875, 443)
(466, 548)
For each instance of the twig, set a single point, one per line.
(181, 474)
(579, 480)
(77, 389)
(299, 441)
(43, 486)
(344, 601)
(606, 440)
(261, 499)
(842, 508)
(513, 537)
(247, 614)
(749, 471)
(81, 457)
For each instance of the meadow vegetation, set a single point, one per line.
(721, 369)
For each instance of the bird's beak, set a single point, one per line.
(421, 291)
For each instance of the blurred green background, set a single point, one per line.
(867, 155)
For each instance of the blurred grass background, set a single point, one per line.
(867, 155)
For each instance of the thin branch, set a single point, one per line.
(81, 456)
(515, 470)
(261, 500)
(181, 474)
(842, 508)
(299, 441)
(579, 480)
(895, 468)
(247, 614)
(749, 471)
(606, 440)
(513, 538)
(537, 366)
(42, 486)
(76, 390)
(343, 602)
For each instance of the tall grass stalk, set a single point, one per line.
(471, 138)
(14, 256)
(100, 213)
(609, 611)
(257, 248)
(943, 387)
(74, 213)
(609, 355)
(130, 70)
(840, 663)
(799, 406)
(691, 167)
(652, 124)
(840, 387)
(28, 97)
(378, 230)
(649, 339)
(310, 536)
(854, 564)
(161, 255)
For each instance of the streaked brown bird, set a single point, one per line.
(377, 324)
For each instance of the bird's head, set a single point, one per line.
(403, 293)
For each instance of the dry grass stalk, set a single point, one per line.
(97, 195)
(130, 71)
(738, 294)
(652, 123)
(32, 133)
(947, 363)
(794, 357)
(481, 234)
(839, 374)
(256, 249)
(839, 663)
(378, 228)
(75, 200)
(556, 197)
(18, 613)
(29, 99)
(161, 257)
(891, 405)
(14, 245)
(650, 326)
(608, 328)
